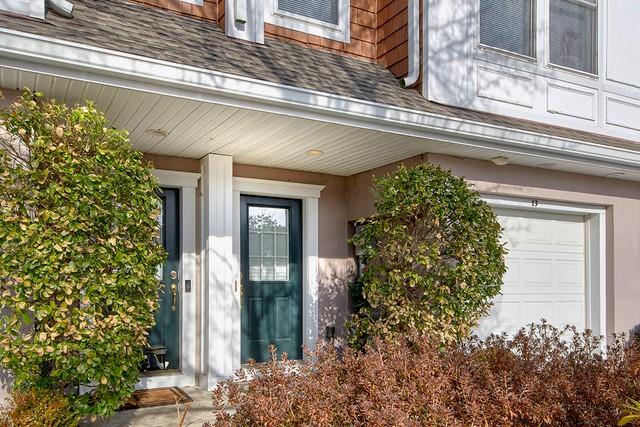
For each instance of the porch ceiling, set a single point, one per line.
(194, 128)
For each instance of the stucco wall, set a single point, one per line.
(621, 198)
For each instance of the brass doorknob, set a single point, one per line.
(174, 292)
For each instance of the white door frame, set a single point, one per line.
(186, 183)
(310, 195)
(595, 250)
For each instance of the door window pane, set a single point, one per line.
(321, 10)
(573, 34)
(268, 244)
(507, 25)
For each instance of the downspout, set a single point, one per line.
(413, 30)
(62, 7)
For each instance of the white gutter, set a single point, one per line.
(62, 7)
(45, 55)
(413, 33)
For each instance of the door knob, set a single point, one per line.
(174, 292)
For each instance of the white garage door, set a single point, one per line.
(545, 276)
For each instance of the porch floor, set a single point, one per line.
(163, 416)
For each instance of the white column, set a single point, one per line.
(218, 267)
(310, 272)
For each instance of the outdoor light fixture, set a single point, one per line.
(547, 165)
(500, 160)
(159, 133)
(314, 153)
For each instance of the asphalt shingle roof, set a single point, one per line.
(134, 28)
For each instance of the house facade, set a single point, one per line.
(266, 121)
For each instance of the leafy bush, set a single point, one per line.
(79, 252)
(538, 378)
(433, 257)
(38, 408)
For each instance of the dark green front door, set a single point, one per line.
(164, 337)
(271, 246)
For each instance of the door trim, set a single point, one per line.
(310, 195)
(186, 183)
(595, 250)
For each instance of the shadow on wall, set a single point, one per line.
(335, 275)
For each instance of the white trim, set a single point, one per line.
(195, 2)
(185, 376)
(263, 187)
(46, 55)
(249, 25)
(595, 250)
(309, 194)
(327, 30)
(33, 8)
(169, 178)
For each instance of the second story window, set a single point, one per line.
(324, 18)
(320, 10)
(573, 34)
(508, 25)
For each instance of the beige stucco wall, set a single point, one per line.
(621, 199)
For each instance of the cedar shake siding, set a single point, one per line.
(211, 10)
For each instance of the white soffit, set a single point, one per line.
(267, 124)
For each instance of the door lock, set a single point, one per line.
(174, 292)
(173, 275)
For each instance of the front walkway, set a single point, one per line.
(163, 416)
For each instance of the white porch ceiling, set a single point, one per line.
(195, 128)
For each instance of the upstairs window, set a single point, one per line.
(324, 18)
(320, 10)
(508, 25)
(573, 34)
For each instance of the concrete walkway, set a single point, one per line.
(164, 416)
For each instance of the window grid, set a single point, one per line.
(269, 259)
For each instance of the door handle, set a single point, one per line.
(174, 292)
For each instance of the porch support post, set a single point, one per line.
(310, 325)
(217, 268)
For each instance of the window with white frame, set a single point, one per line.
(323, 18)
(573, 34)
(508, 25)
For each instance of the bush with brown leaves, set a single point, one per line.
(541, 377)
(38, 408)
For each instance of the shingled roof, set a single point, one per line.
(130, 27)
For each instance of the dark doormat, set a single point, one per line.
(156, 397)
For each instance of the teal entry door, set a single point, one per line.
(164, 338)
(271, 264)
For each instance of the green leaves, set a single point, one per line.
(433, 258)
(78, 250)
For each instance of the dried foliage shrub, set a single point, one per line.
(538, 378)
(433, 257)
(38, 408)
(79, 252)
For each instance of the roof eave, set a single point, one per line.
(30, 52)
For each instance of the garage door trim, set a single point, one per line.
(595, 249)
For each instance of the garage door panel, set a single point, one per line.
(545, 276)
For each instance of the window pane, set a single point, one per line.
(572, 35)
(322, 10)
(507, 25)
(268, 239)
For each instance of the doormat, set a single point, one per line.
(156, 397)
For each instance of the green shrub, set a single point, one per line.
(541, 377)
(38, 408)
(79, 252)
(433, 257)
